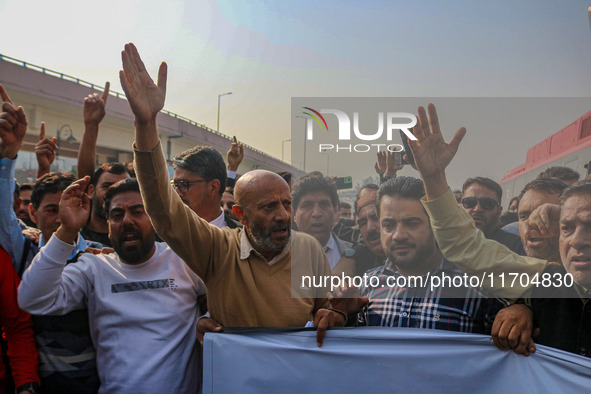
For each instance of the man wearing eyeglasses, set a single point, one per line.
(481, 199)
(200, 179)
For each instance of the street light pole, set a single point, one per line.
(219, 96)
(282, 146)
(305, 138)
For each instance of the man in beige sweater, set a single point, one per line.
(250, 277)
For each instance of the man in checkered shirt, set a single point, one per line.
(400, 292)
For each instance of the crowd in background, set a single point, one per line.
(111, 278)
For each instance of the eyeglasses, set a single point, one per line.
(486, 203)
(184, 186)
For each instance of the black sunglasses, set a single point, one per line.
(486, 203)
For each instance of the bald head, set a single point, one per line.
(252, 184)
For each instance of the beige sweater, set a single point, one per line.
(241, 292)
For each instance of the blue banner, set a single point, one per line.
(383, 360)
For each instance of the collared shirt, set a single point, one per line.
(464, 309)
(219, 222)
(81, 246)
(246, 249)
(332, 251)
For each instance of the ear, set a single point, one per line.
(90, 191)
(17, 203)
(33, 213)
(214, 187)
(239, 212)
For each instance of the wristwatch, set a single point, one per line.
(31, 387)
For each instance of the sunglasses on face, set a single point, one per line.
(486, 203)
(184, 186)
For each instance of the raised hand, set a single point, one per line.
(74, 209)
(13, 126)
(380, 165)
(431, 153)
(94, 106)
(45, 151)
(145, 98)
(391, 167)
(546, 219)
(235, 155)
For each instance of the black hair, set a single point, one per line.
(403, 186)
(112, 168)
(582, 187)
(313, 182)
(486, 182)
(547, 185)
(559, 172)
(50, 183)
(285, 175)
(123, 186)
(204, 161)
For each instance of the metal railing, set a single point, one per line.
(91, 85)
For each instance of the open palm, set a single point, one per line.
(145, 97)
(431, 153)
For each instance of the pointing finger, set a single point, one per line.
(4, 95)
(42, 132)
(105, 94)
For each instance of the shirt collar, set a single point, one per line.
(390, 268)
(219, 222)
(246, 248)
(331, 244)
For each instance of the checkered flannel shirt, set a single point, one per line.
(464, 309)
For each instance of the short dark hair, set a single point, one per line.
(285, 175)
(204, 161)
(26, 186)
(313, 182)
(514, 199)
(112, 168)
(50, 183)
(345, 205)
(547, 185)
(486, 182)
(123, 186)
(582, 187)
(371, 186)
(560, 172)
(402, 186)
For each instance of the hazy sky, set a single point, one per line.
(266, 52)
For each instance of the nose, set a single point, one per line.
(127, 219)
(580, 239)
(283, 213)
(316, 211)
(372, 225)
(478, 207)
(400, 233)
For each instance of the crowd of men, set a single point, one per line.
(123, 270)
